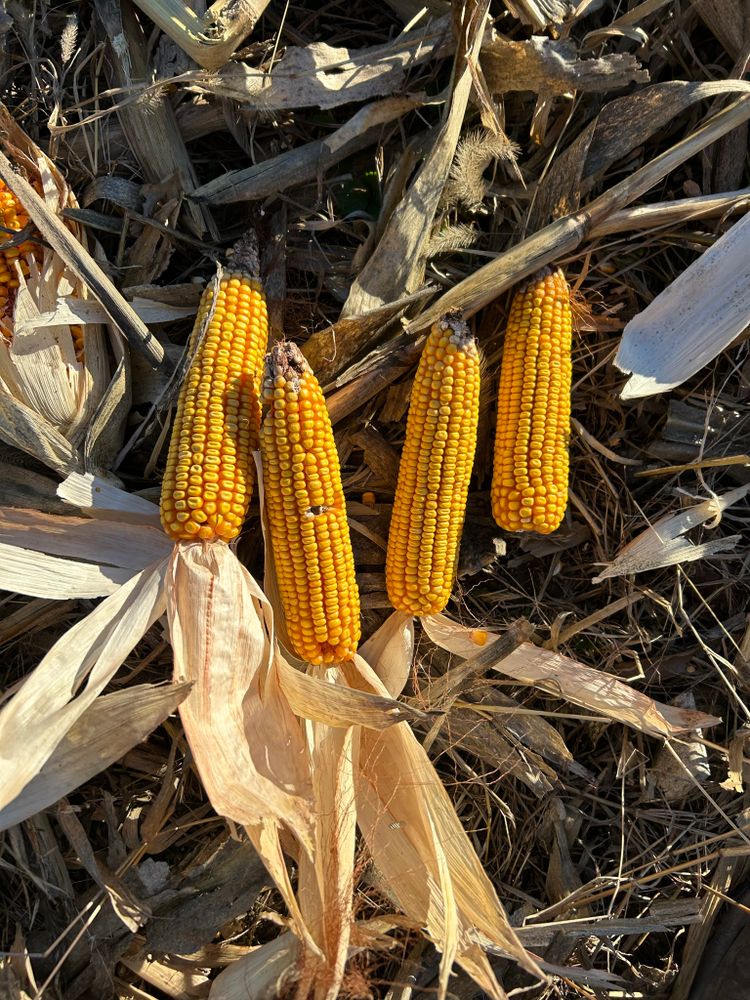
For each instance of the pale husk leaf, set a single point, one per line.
(104, 498)
(32, 433)
(104, 733)
(391, 650)
(24, 571)
(566, 678)
(261, 975)
(602, 693)
(695, 318)
(408, 822)
(662, 544)
(70, 677)
(247, 744)
(335, 704)
(326, 877)
(108, 543)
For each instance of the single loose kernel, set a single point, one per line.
(209, 476)
(306, 512)
(530, 475)
(434, 471)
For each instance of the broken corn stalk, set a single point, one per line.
(530, 476)
(435, 468)
(209, 477)
(306, 512)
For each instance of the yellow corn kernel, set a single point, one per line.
(209, 477)
(434, 472)
(306, 512)
(530, 476)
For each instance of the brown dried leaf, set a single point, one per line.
(549, 66)
(320, 75)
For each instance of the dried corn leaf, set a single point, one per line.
(566, 678)
(601, 693)
(106, 731)
(551, 66)
(320, 75)
(64, 685)
(692, 320)
(246, 742)
(105, 499)
(541, 14)
(335, 704)
(662, 544)
(67, 310)
(24, 571)
(326, 876)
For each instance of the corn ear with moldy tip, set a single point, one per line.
(530, 475)
(306, 512)
(209, 477)
(435, 469)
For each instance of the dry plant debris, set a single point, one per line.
(187, 809)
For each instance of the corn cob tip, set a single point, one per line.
(284, 360)
(245, 255)
(454, 321)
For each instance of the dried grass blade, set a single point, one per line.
(70, 677)
(106, 731)
(600, 692)
(695, 318)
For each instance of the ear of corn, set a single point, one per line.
(435, 468)
(209, 476)
(306, 512)
(530, 477)
(13, 217)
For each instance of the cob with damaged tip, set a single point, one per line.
(435, 469)
(306, 512)
(209, 477)
(530, 476)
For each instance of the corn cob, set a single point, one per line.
(209, 475)
(13, 217)
(435, 468)
(306, 512)
(530, 477)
